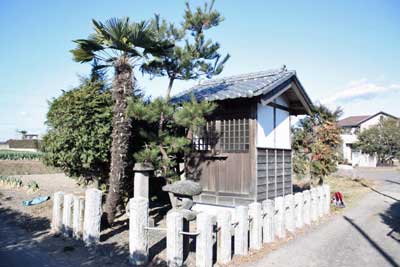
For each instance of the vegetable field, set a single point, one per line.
(19, 155)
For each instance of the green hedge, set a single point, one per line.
(19, 155)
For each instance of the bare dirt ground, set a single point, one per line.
(25, 239)
(33, 224)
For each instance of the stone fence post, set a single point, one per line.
(327, 205)
(141, 179)
(298, 207)
(77, 218)
(255, 213)
(321, 201)
(224, 240)
(174, 239)
(289, 213)
(280, 230)
(307, 207)
(314, 204)
(67, 214)
(204, 240)
(268, 221)
(92, 216)
(57, 221)
(242, 230)
(138, 238)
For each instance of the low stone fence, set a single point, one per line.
(78, 217)
(251, 226)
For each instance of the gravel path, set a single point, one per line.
(366, 235)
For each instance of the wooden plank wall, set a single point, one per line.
(274, 173)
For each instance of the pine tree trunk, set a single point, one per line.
(122, 88)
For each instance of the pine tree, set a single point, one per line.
(192, 57)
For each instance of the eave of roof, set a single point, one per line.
(266, 83)
(354, 121)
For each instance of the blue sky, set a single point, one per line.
(345, 53)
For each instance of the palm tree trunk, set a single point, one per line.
(122, 88)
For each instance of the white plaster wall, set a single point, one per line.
(372, 121)
(282, 130)
(267, 135)
(4, 146)
(265, 126)
(363, 160)
(347, 153)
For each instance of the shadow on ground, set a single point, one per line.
(22, 232)
(378, 248)
(391, 217)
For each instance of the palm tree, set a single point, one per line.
(121, 45)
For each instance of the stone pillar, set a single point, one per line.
(57, 219)
(242, 230)
(138, 238)
(255, 225)
(298, 210)
(174, 239)
(224, 250)
(327, 191)
(67, 215)
(280, 230)
(204, 241)
(92, 217)
(141, 179)
(314, 204)
(321, 201)
(307, 207)
(289, 213)
(268, 221)
(77, 220)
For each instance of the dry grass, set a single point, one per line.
(24, 167)
(352, 189)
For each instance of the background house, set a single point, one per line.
(351, 126)
(244, 153)
(28, 142)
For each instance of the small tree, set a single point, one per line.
(315, 144)
(79, 136)
(191, 58)
(119, 44)
(382, 139)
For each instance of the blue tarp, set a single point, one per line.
(35, 201)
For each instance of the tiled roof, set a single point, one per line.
(352, 120)
(240, 86)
